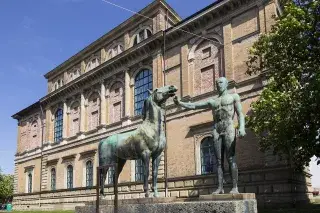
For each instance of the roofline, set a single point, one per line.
(124, 23)
(19, 114)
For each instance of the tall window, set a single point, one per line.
(89, 174)
(143, 83)
(208, 159)
(58, 126)
(29, 183)
(53, 179)
(69, 177)
(142, 35)
(139, 170)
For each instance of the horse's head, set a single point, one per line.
(161, 95)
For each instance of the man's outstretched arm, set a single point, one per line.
(199, 105)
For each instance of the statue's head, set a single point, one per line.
(161, 95)
(222, 84)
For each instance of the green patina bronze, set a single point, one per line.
(147, 141)
(224, 133)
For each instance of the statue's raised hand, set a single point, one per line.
(241, 132)
(175, 100)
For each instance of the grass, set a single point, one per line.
(43, 211)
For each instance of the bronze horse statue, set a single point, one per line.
(148, 140)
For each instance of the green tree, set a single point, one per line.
(6, 187)
(287, 115)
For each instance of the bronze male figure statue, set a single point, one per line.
(223, 109)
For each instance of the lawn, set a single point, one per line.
(43, 211)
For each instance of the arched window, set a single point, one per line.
(142, 35)
(29, 183)
(93, 63)
(89, 174)
(53, 179)
(116, 50)
(208, 159)
(143, 83)
(139, 170)
(69, 177)
(58, 125)
(93, 111)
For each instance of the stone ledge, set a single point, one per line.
(233, 206)
(241, 196)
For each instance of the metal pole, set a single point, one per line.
(116, 188)
(97, 188)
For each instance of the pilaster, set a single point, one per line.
(185, 87)
(228, 56)
(65, 120)
(127, 93)
(82, 113)
(158, 80)
(103, 105)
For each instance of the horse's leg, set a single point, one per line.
(146, 161)
(155, 165)
(103, 176)
(121, 163)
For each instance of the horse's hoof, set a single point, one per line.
(156, 194)
(147, 195)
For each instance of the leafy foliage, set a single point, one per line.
(287, 115)
(6, 187)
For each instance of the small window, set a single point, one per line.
(208, 159)
(111, 175)
(206, 53)
(89, 174)
(139, 173)
(69, 177)
(142, 35)
(29, 183)
(53, 179)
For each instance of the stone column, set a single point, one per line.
(48, 125)
(82, 114)
(103, 55)
(103, 105)
(157, 70)
(127, 94)
(185, 90)
(65, 120)
(107, 97)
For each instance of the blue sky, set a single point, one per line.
(38, 35)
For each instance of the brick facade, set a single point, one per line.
(96, 92)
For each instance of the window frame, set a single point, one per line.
(58, 133)
(53, 181)
(89, 174)
(140, 84)
(210, 154)
(69, 180)
(139, 171)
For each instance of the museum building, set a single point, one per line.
(100, 91)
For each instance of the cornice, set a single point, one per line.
(127, 25)
(142, 49)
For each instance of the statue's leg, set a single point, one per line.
(146, 161)
(103, 176)
(230, 143)
(155, 165)
(121, 163)
(217, 145)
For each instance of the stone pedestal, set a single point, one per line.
(226, 203)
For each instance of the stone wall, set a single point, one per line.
(272, 186)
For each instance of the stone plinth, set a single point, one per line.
(226, 203)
